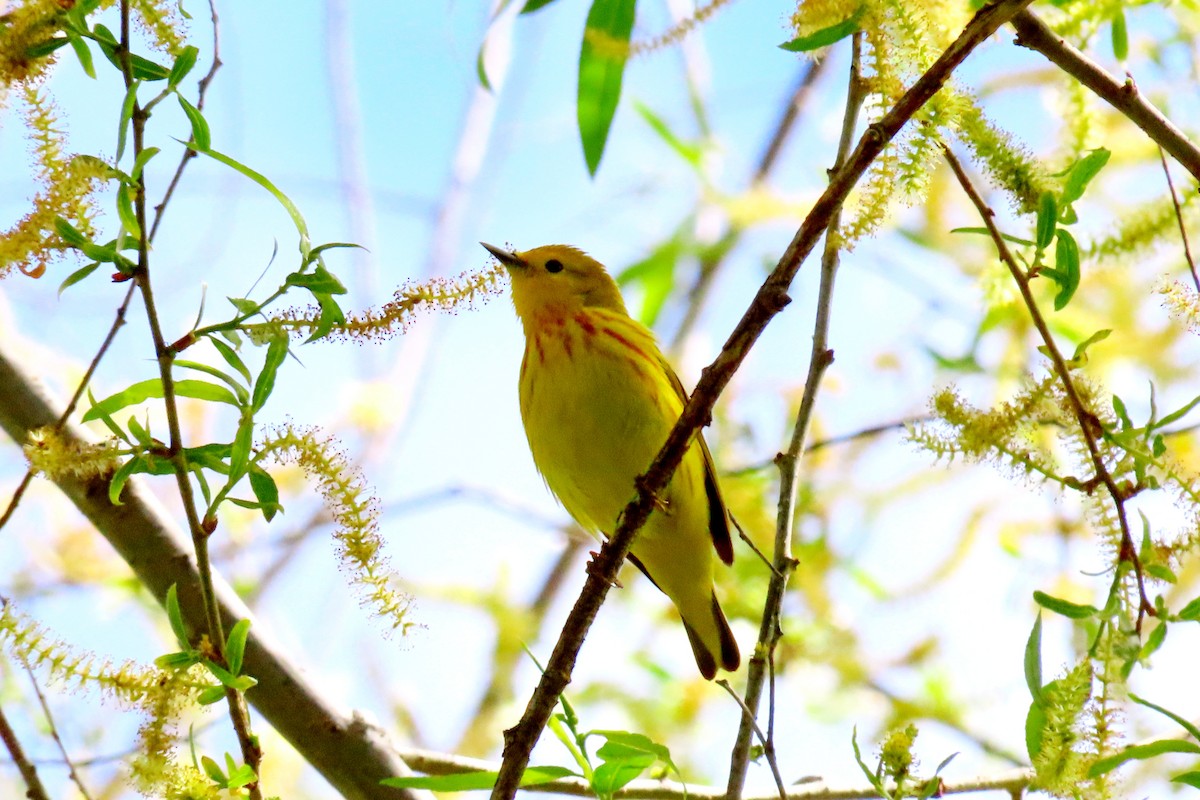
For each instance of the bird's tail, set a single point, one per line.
(723, 646)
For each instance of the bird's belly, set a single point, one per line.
(594, 423)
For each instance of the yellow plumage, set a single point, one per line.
(598, 400)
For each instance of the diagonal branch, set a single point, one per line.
(351, 752)
(770, 300)
(1035, 34)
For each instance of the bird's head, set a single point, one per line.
(557, 278)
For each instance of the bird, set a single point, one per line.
(598, 400)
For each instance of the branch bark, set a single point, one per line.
(351, 752)
(1035, 34)
(770, 300)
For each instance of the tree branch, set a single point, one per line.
(1035, 34)
(770, 300)
(351, 752)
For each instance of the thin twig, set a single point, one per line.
(714, 256)
(820, 357)
(1187, 248)
(71, 771)
(834, 441)
(238, 712)
(1035, 34)
(202, 94)
(34, 790)
(767, 741)
(1088, 423)
(770, 299)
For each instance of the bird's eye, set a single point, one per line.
(554, 265)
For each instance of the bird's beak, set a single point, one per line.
(505, 257)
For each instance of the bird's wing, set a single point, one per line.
(718, 515)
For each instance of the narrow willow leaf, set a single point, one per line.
(265, 491)
(466, 781)
(125, 211)
(143, 158)
(1033, 660)
(183, 65)
(261, 180)
(1064, 607)
(235, 645)
(1140, 752)
(232, 358)
(1047, 220)
(84, 55)
(200, 134)
(601, 68)
(78, 275)
(127, 106)
(1120, 36)
(1066, 267)
(276, 352)
(826, 36)
(535, 5)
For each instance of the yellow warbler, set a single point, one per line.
(598, 400)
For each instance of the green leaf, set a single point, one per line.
(125, 211)
(319, 281)
(1035, 727)
(203, 390)
(241, 776)
(1006, 237)
(1081, 350)
(825, 36)
(1140, 752)
(174, 661)
(1081, 173)
(84, 55)
(1047, 220)
(151, 389)
(139, 433)
(231, 358)
(1188, 778)
(211, 695)
(656, 274)
(1177, 414)
(1191, 612)
(233, 382)
(261, 180)
(535, 5)
(1064, 607)
(611, 776)
(331, 314)
(244, 306)
(200, 134)
(78, 275)
(481, 68)
(1192, 730)
(127, 106)
(277, 351)
(175, 617)
(601, 68)
(182, 66)
(212, 770)
(468, 781)
(1120, 36)
(239, 452)
(1153, 641)
(1066, 268)
(1122, 414)
(45, 48)
(235, 645)
(1033, 660)
(691, 153)
(265, 491)
(69, 233)
(142, 159)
